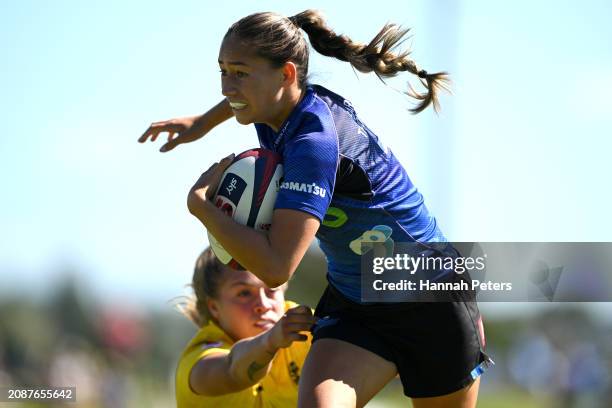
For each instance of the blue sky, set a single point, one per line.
(520, 152)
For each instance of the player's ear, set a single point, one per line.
(289, 73)
(213, 308)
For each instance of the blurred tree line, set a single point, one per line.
(118, 355)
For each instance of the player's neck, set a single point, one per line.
(289, 100)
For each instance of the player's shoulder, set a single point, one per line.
(314, 123)
(209, 338)
(327, 96)
(314, 109)
(331, 102)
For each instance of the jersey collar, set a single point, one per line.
(290, 124)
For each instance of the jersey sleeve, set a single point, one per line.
(310, 160)
(188, 360)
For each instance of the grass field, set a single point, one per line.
(392, 397)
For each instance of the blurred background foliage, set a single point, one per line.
(123, 355)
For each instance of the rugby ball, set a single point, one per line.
(247, 194)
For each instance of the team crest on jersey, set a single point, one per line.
(380, 234)
(294, 372)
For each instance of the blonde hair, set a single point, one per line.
(207, 278)
(278, 39)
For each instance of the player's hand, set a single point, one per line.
(288, 328)
(179, 130)
(206, 186)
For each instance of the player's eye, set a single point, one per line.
(223, 72)
(244, 293)
(241, 74)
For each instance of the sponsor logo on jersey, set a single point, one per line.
(311, 188)
(335, 217)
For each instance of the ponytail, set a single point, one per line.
(377, 56)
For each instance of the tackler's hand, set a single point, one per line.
(291, 327)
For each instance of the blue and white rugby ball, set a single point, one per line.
(247, 193)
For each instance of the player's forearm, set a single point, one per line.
(214, 116)
(250, 359)
(251, 248)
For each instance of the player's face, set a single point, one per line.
(252, 86)
(246, 306)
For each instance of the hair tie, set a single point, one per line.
(422, 74)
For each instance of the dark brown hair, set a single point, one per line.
(279, 40)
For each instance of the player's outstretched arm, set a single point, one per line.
(249, 359)
(187, 129)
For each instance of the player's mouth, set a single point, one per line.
(264, 323)
(238, 105)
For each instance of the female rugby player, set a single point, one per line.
(340, 183)
(249, 350)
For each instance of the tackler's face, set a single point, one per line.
(246, 306)
(251, 85)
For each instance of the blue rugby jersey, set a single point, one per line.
(337, 170)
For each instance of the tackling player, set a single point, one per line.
(248, 351)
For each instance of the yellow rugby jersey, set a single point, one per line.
(277, 389)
